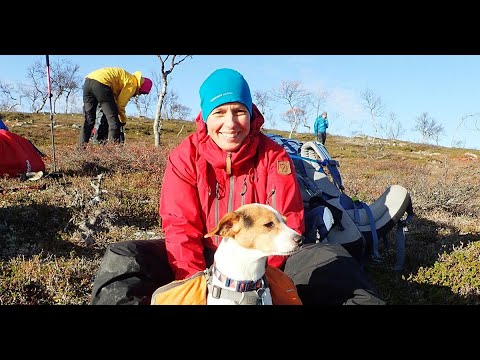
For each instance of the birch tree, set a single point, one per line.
(173, 60)
(318, 100)
(64, 79)
(393, 128)
(428, 128)
(144, 103)
(466, 120)
(36, 88)
(9, 98)
(374, 105)
(293, 94)
(294, 117)
(262, 99)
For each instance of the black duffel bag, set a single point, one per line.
(327, 274)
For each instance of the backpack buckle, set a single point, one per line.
(261, 294)
(216, 291)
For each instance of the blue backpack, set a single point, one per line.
(333, 216)
(2, 124)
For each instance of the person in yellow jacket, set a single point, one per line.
(112, 88)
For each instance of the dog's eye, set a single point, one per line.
(269, 225)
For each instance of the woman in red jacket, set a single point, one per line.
(227, 162)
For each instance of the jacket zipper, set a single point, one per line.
(244, 190)
(271, 199)
(228, 167)
(217, 197)
(230, 193)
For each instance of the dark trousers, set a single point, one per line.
(131, 271)
(94, 93)
(100, 134)
(321, 137)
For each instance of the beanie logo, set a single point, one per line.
(220, 95)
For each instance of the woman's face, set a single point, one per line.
(228, 125)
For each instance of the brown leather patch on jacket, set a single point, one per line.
(283, 167)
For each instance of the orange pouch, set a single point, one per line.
(193, 291)
(282, 288)
(190, 291)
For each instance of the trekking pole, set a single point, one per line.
(51, 113)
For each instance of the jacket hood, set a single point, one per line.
(138, 76)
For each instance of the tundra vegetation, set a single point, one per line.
(54, 231)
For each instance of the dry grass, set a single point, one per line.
(53, 232)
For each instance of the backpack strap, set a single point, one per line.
(400, 239)
(290, 149)
(310, 187)
(355, 204)
(313, 148)
(332, 166)
(254, 297)
(376, 256)
(317, 217)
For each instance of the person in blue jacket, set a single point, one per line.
(320, 127)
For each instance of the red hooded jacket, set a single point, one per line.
(197, 192)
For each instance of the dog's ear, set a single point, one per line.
(225, 226)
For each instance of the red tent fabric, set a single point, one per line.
(18, 155)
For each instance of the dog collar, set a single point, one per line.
(238, 285)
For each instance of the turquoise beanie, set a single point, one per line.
(221, 87)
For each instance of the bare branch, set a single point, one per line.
(262, 99)
(475, 116)
(293, 94)
(374, 105)
(318, 100)
(157, 125)
(428, 128)
(8, 98)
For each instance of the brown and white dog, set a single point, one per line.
(250, 234)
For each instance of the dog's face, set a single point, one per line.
(260, 227)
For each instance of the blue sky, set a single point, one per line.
(447, 87)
